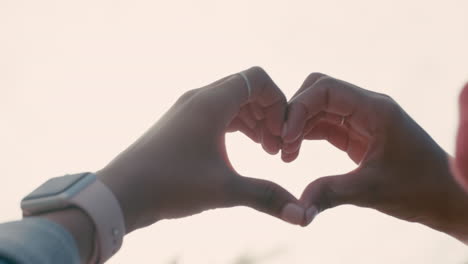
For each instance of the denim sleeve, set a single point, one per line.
(36, 240)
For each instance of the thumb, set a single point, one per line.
(328, 192)
(268, 197)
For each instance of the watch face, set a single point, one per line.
(55, 186)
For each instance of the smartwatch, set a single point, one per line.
(86, 192)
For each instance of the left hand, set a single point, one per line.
(402, 171)
(180, 166)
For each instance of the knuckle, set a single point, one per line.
(389, 108)
(207, 112)
(226, 187)
(313, 77)
(369, 192)
(257, 70)
(282, 100)
(325, 193)
(332, 191)
(268, 195)
(325, 81)
(373, 189)
(199, 105)
(188, 95)
(324, 86)
(258, 76)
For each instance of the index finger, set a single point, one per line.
(334, 96)
(266, 94)
(253, 85)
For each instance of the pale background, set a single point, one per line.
(80, 80)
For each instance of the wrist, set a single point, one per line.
(455, 227)
(451, 215)
(80, 226)
(455, 221)
(118, 183)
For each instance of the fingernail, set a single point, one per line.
(310, 214)
(292, 213)
(284, 131)
(286, 148)
(276, 148)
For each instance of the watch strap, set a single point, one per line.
(98, 201)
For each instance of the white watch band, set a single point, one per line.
(98, 201)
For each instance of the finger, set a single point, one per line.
(331, 191)
(357, 150)
(295, 123)
(293, 146)
(268, 197)
(289, 157)
(256, 111)
(235, 125)
(268, 104)
(330, 95)
(247, 118)
(271, 144)
(339, 136)
(309, 81)
(224, 99)
(297, 114)
(336, 135)
(337, 97)
(274, 116)
(264, 91)
(298, 124)
(461, 156)
(266, 94)
(238, 125)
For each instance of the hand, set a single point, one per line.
(180, 167)
(402, 172)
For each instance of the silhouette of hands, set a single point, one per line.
(179, 167)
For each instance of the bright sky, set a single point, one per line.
(81, 80)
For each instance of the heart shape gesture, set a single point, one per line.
(180, 167)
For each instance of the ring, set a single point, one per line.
(343, 119)
(247, 82)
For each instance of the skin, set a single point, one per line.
(401, 170)
(179, 167)
(460, 163)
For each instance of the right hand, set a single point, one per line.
(402, 171)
